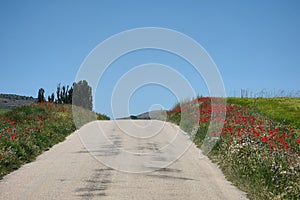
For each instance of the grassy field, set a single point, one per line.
(29, 130)
(285, 110)
(3, 110)
(258, 147)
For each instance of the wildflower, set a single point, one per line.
(265, 139)
(13, 136)
(203, 120)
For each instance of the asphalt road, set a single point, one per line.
(121, 160)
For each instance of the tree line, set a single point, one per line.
(79, 94)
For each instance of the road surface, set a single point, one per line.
(135, 162)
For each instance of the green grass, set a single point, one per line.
(102, 116)
(3, 110)
(27, 131)
(285, 110)
(258, 150)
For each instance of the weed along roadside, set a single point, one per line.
(30, 130)
(259, 153)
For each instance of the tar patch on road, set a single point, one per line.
(96, 185)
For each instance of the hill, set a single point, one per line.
(285, 109)
(257, 147)
(27, 131)
(9, 101)
(154, 114)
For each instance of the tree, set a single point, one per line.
(66, 94)
(70, 94)
(58, 100)
(41, 97)
(63, 95)
(82, 95)
(51, 98)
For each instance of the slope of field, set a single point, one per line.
(154, 114)
(285, 110)
(29, 130)
(9, 101)
(258, 153)
(3, 110)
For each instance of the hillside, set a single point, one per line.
(27, 131)
(285, 110)
(154, 114)
(9, 101)
(257, 147)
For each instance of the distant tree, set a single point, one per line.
(70, 95)
(51, 98)
(66, 94)
(82, 95)
(63, 94)
(58, 98)
(41, 97)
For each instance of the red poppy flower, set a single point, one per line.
(264, 139)
(203, 120)
(13, 136)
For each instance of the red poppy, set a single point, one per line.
(13, 136)
(264, 139)
(203, 120)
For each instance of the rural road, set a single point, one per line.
(114, 160)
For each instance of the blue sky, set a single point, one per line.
(255, 44)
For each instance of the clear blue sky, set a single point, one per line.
(255, 44)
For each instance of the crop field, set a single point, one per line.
(258, 147)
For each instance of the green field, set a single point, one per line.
(30, 130)
(285, 110)
(3, 110)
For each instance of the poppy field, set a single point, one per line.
(29, 130)
(258, 153)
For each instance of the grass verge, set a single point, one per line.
(29, 130)
(3, 110)
(285, 110)
(259, 154)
